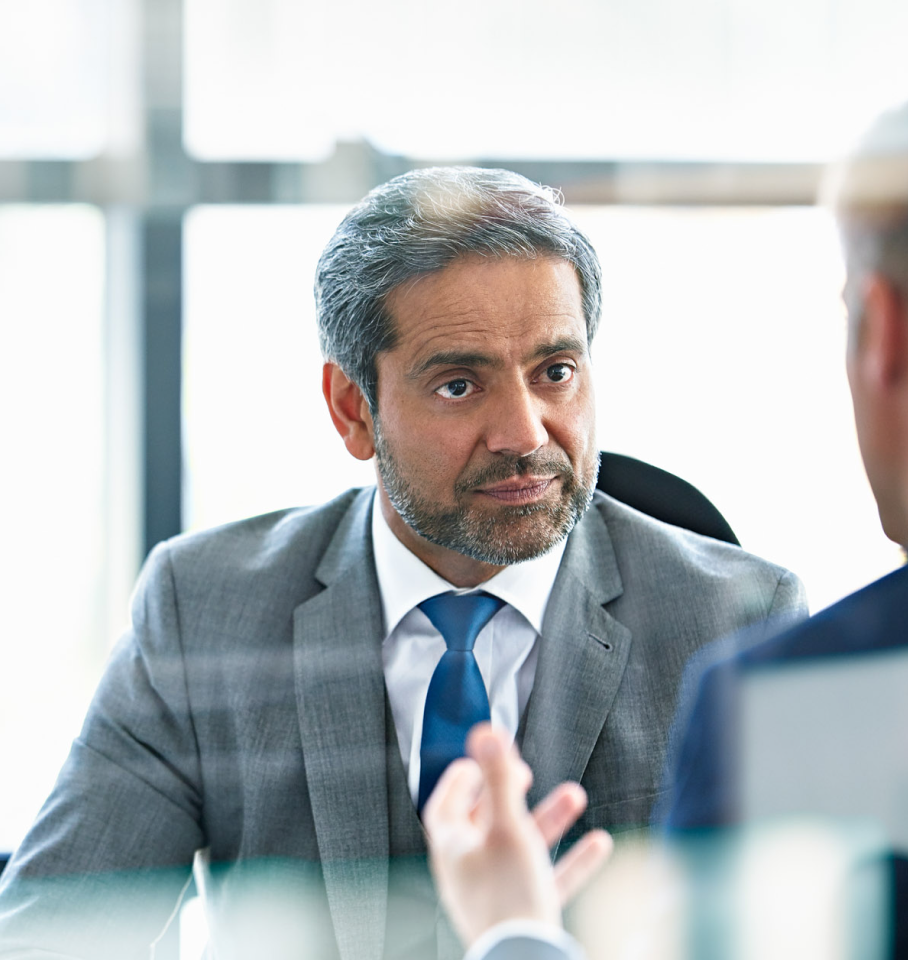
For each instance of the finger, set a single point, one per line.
(523, 776)
(454, 795)
(506, 775)
(575, 869)
(559, 811)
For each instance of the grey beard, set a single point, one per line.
(508, 538)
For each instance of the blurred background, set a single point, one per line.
(170, 169)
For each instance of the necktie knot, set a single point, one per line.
(460, 618)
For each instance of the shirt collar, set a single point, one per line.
(405, 581)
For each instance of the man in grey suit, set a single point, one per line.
(263, 714)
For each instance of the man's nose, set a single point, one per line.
(515, 426)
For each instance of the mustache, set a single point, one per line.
(504, 468)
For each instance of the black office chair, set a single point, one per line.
(662, 495)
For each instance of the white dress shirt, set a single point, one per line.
(506, 649)
(530, 934)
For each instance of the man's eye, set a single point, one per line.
(455, 389)
(559, 372)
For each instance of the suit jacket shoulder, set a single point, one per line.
(634, 599)
(686, 589)
(193, 741)
(644, 544)
(704, 771)
(267, 552)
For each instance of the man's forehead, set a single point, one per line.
(491, 288)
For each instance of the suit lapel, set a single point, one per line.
(341, 699)
(583, 653)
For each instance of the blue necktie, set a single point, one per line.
(457, 697)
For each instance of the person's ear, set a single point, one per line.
(881, 347)
(349, 411)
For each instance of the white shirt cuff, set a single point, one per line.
(545, 933)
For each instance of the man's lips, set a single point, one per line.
(518, 489)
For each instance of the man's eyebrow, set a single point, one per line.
(452, 358)
(471, 358)
(561, 345)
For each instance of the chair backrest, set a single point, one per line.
(662, 495)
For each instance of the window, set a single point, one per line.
(738, 80)
(65, 91)
(59, 545)
(258, 435)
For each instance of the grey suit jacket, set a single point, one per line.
(243, 715)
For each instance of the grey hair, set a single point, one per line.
(870, 247)
(868, 193)
(419, 223)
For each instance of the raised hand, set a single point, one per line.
(489, 854)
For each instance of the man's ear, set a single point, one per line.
(349, 411)
(881, 347)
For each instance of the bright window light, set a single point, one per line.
(721, 357)
(257, 432)
(53, 619)
(65, 76)
(580, 79)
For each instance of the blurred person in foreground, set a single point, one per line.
(827, 777)
(490, 855)
(291, 686)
